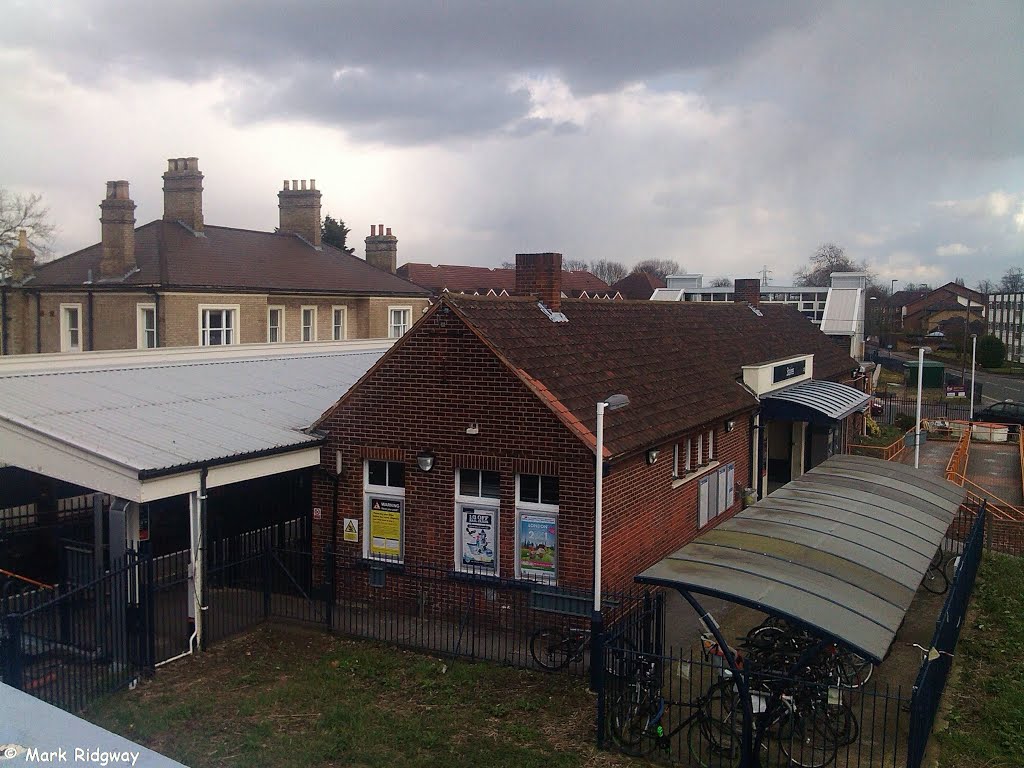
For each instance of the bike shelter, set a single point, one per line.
(841, 552)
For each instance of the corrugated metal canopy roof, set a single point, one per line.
(831, 399)
(841, 550)
(159, 415)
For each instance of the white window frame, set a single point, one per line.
(344, 322)
(485, 505)
(538, 511)
(141, 330)
(405, 326)
(66, 328)
(711, 445)
(388, 493)
(280, 328)
(236, 322)
(302, 322)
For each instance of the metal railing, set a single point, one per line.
(931, 679)
(956, 467)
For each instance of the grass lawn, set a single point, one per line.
(282, 696)
(986, 691)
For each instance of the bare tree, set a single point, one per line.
(609, 271)
(827, 259)
(985, 286)
(26, 212)
(1012, 281)
(720, 282)
(508, 265)
(575, 265)
(658, 267)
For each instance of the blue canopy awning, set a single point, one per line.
(813, 401)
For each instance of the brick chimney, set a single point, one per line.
(23, 259)
(540, 275)
(183, 192)
(300, 210)
(117, 221)
(382, 249)
(747, 291)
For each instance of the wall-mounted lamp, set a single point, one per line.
(425, 460)
(652, 455)
(730, 425)
(473, 429)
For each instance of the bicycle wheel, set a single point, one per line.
(952, 563)
(852, 670)
(935, 580)
(717, 750)
(551, 648)
(808, 738)
(636, 725)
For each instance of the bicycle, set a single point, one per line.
(941, 572)
(556, 648)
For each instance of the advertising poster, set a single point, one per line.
(385, 527)
(478, 538)
(537, 538)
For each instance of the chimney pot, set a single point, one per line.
(117, 224)
(299, 209)
(312, 183)
(381, 249)
(183, 192)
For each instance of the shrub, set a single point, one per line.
(872, 426)
(991, 351)
(904, 421)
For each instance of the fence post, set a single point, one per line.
(267, 553)
(330, 584)
(149, 611)
(597, 681)
(13, 663)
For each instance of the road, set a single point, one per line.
(997, 387)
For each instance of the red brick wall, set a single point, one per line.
(440, 380)
(645, 518)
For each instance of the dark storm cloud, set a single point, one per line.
(431, 69)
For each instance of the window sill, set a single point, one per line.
(487, 579)
(700, 471)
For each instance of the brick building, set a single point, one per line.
(951, 301)
(179, 281)
(471, 444)
(488, 281)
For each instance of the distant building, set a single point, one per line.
(894, 309)
(178, 281)
(487, 281)
(638, 285)
(1006, 321)
(838, 309)
(951, 301)
(810, 300)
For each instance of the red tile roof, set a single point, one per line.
(460, 279)
(169, 256)
(679, 362)
(638, 285)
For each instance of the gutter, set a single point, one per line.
(205, 464)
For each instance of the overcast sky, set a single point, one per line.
(725, 136)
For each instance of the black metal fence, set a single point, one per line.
(948, 409)
(931, 679)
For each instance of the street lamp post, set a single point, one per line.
(917, 425)
(974, 365)
(613, 403)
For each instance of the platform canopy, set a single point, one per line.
(143, 424)
(842, 550)
(813, 400)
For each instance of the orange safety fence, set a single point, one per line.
(26, 579)
(956, 468)
(890, 452)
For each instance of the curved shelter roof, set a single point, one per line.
(841, 550)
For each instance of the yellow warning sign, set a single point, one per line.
(351, 529)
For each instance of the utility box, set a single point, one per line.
(933, 378)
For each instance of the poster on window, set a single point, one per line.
(385, 527)
(537, 539)
(478, 538)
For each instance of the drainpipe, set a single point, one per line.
(90, 339)
(39, 323)
(201, 552)
(3, 320)
(156, 317)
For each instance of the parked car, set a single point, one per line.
(1006, 412)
